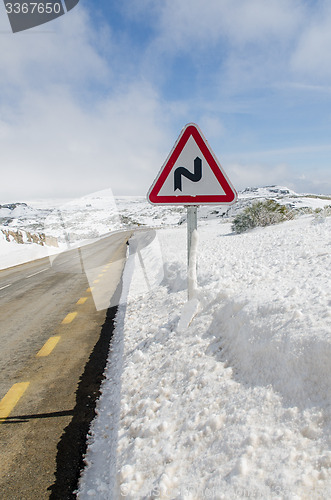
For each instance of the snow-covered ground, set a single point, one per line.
(73, 223)
(92, 216)
(227, 396)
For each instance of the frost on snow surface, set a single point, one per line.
(235, 404)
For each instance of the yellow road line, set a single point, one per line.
(69, 318)
(96, 281)
(10, 400)
(82, 300)
(48, 346)
(90, 289)
(100, 275)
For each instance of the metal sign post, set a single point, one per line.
(192, 225)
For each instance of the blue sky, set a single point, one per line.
(96, 98)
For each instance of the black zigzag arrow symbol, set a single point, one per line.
(194, 177)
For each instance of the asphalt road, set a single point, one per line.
(54, 337)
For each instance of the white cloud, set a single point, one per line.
(254, 174)
(57, 148)
(304, 86)
(63, 51)
(254, 43)
(264, 174)
(58, 136)
(311, 58)
(212, 126)
(184, 22)
(246, 43)
(75, 118)
(267, 153)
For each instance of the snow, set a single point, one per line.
(74, 222)
(282, 195)
(266, 191)
(224, 396)
(227, 396)
(13, 254)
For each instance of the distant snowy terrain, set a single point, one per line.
(228, 396)
(95, 215)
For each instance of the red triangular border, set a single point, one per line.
(230, 194)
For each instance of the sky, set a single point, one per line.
(97, 98)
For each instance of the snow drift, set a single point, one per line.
(237, 404)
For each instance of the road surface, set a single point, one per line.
(55, 333)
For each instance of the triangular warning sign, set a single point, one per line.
(192, 174)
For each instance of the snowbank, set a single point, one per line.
(237, 404)
(13, 254)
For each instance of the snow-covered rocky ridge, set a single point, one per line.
(101, 212)
(235, 401)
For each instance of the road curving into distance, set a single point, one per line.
(57, 319)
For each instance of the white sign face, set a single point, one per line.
(207, 184)
(192, 174)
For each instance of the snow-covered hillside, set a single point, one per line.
(101, 212)
(96, 214)
(284, 196)
(228, 396)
